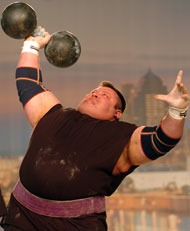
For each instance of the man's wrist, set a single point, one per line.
(31, 47)
(178, 113)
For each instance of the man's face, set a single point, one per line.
(100, 104)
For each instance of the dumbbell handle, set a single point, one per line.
(38, 32)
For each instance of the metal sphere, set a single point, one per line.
(18, 20)
(63, 49)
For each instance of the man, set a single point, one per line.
(76, 157)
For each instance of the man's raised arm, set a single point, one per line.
(35, 98)
(150, 143)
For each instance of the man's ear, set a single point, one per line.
(118, 114)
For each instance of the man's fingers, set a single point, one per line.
(181, 88)
(179, 77)
(47, 36)
(186, 97)
(184, 89)
(161, 97)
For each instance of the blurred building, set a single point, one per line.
(142, 108)
(9, 171)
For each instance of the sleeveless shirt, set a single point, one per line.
(70, 156)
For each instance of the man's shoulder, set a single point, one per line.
(59, 108)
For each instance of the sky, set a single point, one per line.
(120, 40)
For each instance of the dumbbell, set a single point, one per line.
(19, 21)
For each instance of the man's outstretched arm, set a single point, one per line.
(149, 143)
(36, 99)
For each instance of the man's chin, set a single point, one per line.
(86, 111)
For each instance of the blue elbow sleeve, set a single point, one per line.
(155, 143)
(29, 83)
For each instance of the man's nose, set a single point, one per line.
(95, 94)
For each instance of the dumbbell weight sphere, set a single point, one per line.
(18, 20)
(63, 49)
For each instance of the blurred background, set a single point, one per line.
(138, 45)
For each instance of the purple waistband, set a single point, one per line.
(73, 208)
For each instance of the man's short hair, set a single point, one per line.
(109, 84)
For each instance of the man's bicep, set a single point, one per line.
(136, 155)
(39, 105)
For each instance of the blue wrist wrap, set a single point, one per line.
(29, 83)
(155, 143)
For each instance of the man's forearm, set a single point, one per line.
(150, 143)
(29, 60)
(173, 127)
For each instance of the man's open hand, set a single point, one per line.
(178, 96)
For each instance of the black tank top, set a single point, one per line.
(72, 155)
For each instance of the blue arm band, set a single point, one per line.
(29, 83)
(155, 143)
